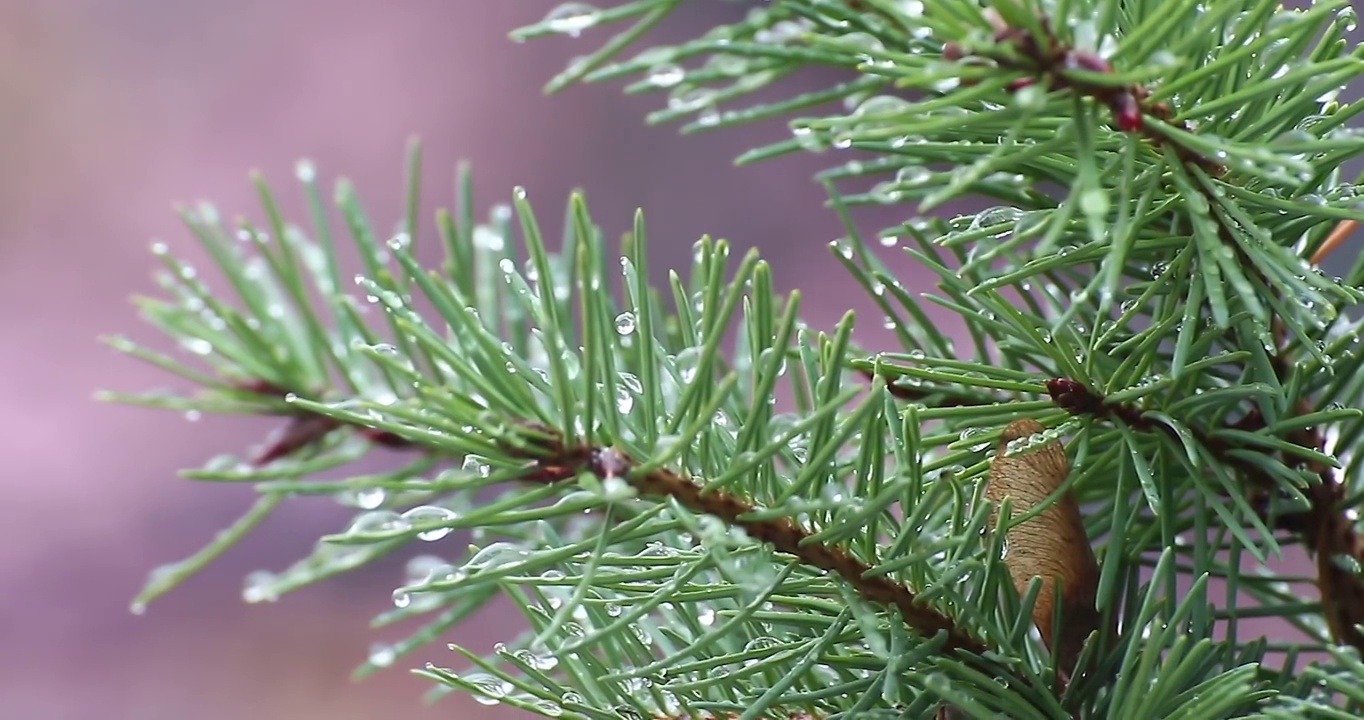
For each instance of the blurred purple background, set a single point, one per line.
(111, 112)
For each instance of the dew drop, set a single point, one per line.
(625, 401)
(913, 175)
(625, 323)
(370, 498)
(486, 238)
(305, 171)
(1094, 202)
(483, 699)
(425, 514)
(401, 598)
(382, 655)
(378, 521)
(666, 75)
(571, 18)
(689, 100)
(882, 105)
(911, 8)
(760, 643)
(631, 383)
(259, 586)
(198, 346)
(806, 139)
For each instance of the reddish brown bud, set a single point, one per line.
(261, 386)
(1126, 112)
(385, 438)
(1073, 397)
(302, 431)
(1086, 60)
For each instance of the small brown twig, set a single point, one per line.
(1343, 229)
(306, 429)
(945, 398)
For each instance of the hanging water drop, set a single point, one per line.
(666, 75)
(882, 105)
(382, 655)
(692, 99)
(426, 514)
(198, 346)
(806, 138)
(631, 383)
(485, 238)
(571, 18)
(911, 8)
(913, 175)
(259, 586)
(625, 401)
(378, 521)
(401, 598)
(1094, 202)
(370, 498)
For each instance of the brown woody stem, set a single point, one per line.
(554, 461)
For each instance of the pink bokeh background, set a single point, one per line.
(112, 112)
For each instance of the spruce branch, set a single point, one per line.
(551, 460)
(1155, 387)
(551, 427)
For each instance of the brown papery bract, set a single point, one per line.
(1052, 544)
